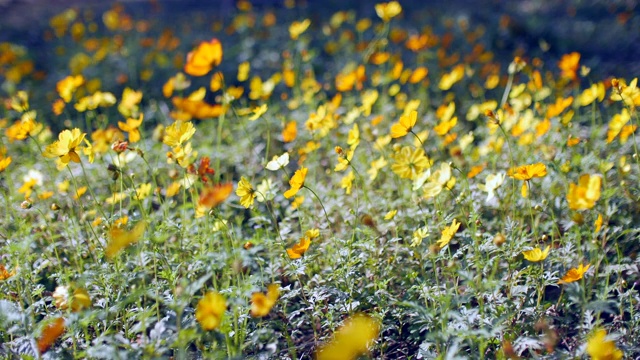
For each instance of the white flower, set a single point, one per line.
(492, 183)
(278, 162)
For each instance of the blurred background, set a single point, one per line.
(605, 33)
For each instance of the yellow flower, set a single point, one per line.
(599, 348)
(376, 166)
(387, 11)
(296, 182)
(79, 300)
(391, 214)
(528, 172)
(347, 182)
(258, 111)
(298, 27)
(24, 128)
(448, 233)
(588, 96)
(177, 133)
(246, 192)
(618, 121)
(66, 146)
(598, 223)
(574, 274)
(131, 127)
(449, 79)
(350, 340)
(262, 303)
(67, 86)
(120, 238)
(92, 102)
(4, 162)
(584, 195)
(210, 310)
(630, 94)
(410, 163)
(297, 250)
(129, 103)
(536, 254)
(404, 125)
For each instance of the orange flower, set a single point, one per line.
(4, 274)
(569, 64)
(296, 182)
(213, 196)
(50, 334)
(290, 132)
(574, 274)
(297, 250)
(202, 60)
(528, 172)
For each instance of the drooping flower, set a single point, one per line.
(297, 250)
(574, 274)
(246, 192)
(210, 310)
(296, 182)
(350, 340)
(66, 147)
(599, 348)
(203, 58)
(447, 233)
(262, 303)
(583, 196)
(536, 255)
(404, 125)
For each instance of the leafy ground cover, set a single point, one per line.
(270, 186)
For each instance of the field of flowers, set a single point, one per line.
(272, 184)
